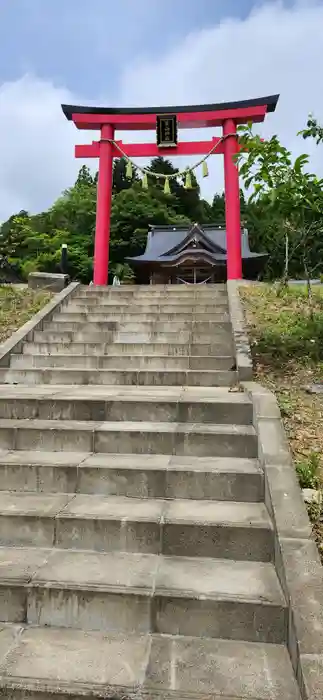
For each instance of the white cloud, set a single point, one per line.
(36, 145)
(274, 50)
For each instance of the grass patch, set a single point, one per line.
(286, 335)
(285, 327)
(18, 305)
(308, 472)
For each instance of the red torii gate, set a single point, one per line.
(108, 120)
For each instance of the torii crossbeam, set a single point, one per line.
(108, 120)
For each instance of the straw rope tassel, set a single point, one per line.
(205, 170)
(188, 180)
(167, 186)
(129, 170)
(144, 181)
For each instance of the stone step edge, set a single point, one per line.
(69, 335)
(164, 517)
(136, 317)
(131, 426)
(142, 307)
(151, 291)
(149, 356)
(88, 370)
(121, 337)
(128, 392)
(142, 476)
(130, 359)
(47, 557)
(151, 310)
(30, 648)
(139, 291)
(131, 461)
(217, 347)
(118, 324)
(109, 436)
(9, 392)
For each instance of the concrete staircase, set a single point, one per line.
(136, 552)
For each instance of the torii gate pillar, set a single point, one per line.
(108, 120)
(232, 201)
(103, 207)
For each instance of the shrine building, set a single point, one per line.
(191, 255)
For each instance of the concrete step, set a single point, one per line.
(135, 476)
(147, 301)
(146, 327)
(66, 337)
(174, 291)
(153, 289)
(132, 506)
(123, 362)
(126, 404)
(184, 439)
(184, 338)
(141, 377)
(172, 310)
(153, 336)
(129, 350)
(124, 334)
(142, 593)
(181, 320)
(113, 311)
(77, 326)
(196, 327)
(49, 663)
(83, 305)
(155, 301)
(184, 528)
(162, 289)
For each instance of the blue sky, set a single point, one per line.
(143, 52)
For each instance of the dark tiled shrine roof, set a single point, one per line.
(167, 243)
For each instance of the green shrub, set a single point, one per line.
(308, 472)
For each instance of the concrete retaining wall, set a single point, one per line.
(46, 280)
(240, 338)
